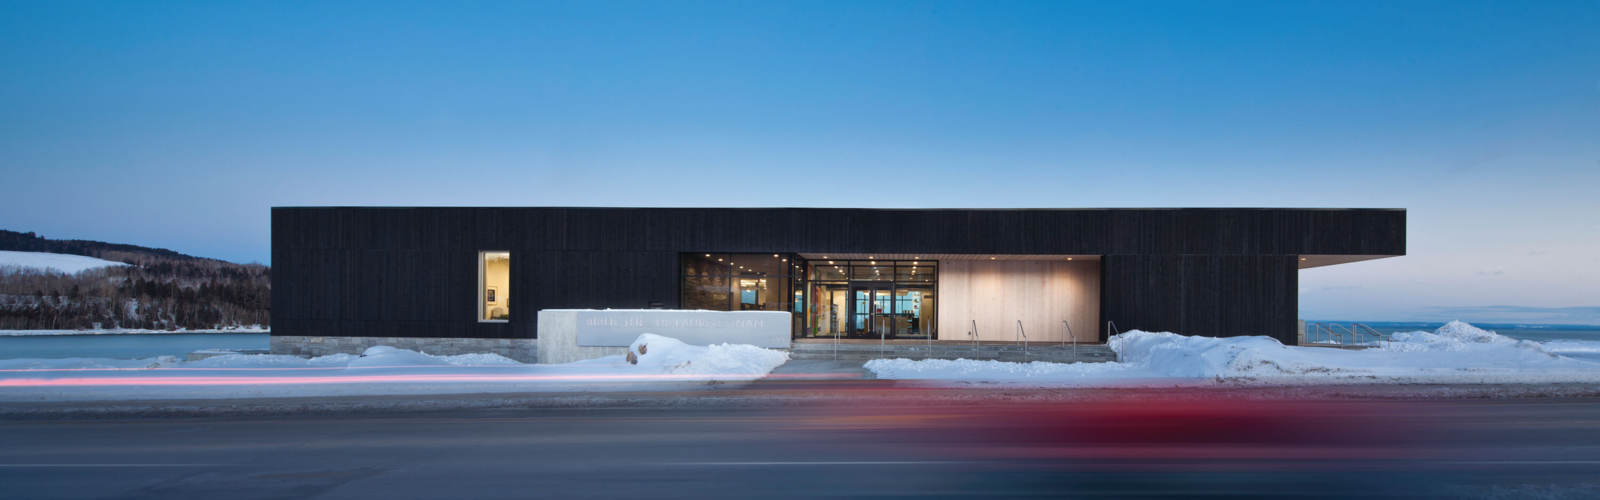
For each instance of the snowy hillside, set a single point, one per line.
(51, 262)
(95, 286)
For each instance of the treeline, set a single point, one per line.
(159, 290)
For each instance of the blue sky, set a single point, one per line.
(179, 124)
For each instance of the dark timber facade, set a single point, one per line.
(418, 271)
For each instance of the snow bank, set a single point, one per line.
(671, 356)
(1455, 353)
(10, 261)
(661, 363)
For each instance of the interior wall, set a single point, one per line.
(1040, 293)
(497, 275)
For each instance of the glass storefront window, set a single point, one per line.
(915, 272)
(872, 270)
(868, 298)
(830, 271)
(914, 311)
(706, 292)
(896, 297)
(736, 282)
(828, 308)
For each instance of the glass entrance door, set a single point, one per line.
(871, 311)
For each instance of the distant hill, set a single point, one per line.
(120, 252)
(56, 262)
(159, 289)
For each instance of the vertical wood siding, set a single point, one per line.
(411, 271)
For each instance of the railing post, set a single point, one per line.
(974, 339)
(880, 341)
(1068, 328)
(1024, 334)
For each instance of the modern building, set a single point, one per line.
(344, 276)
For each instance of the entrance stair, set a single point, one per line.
(864, 350)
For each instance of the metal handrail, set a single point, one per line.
(880, 338)
(1377, 336)
(1355, 334)
(1111, 327)
(973, 334)
(1024, 336)
(1067, 328)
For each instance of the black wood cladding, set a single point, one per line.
(411, 271)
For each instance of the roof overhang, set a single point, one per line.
(1310, 261)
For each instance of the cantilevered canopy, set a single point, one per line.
(1310, 261)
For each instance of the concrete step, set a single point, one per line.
(946, 348)
(1001, 352)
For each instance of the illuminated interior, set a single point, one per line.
(494, 286)
(872, 298)
(741, 282)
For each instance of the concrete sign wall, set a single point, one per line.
(567, 335)
(607, 328)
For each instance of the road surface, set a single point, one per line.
(857, 446)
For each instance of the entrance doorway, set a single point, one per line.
(871, 308)
(868, 299)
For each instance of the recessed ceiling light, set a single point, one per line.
(991, 258)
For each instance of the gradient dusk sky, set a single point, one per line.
(178, 125)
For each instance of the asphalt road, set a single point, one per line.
(859, 446)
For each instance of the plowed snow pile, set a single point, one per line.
(1455, 353)
(667, 355)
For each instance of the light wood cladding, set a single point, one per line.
(1040, 293)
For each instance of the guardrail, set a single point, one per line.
(1335, 334)
(1024, 336)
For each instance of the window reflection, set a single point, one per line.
(737, 282)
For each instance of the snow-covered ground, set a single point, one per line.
(50, 262)
(664, 364)
(1455, 353)
(134, 331)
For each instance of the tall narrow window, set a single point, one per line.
(494, 286)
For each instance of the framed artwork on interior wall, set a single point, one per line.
(490, 294)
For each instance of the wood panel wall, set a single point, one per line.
(1039, 293)
(411, 271)
(1211, 295)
